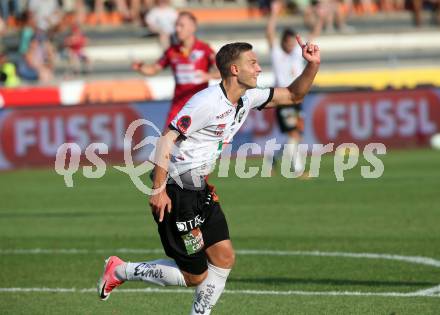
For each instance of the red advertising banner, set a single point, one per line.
(32, 96)
(398, 118)
(32, 137)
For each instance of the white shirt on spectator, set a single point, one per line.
(162, 19)
(286, 67)
(46, 13)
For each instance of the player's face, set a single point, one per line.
(288, 44)
(185, 28)
(248, 69)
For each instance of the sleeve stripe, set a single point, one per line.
(268, 99)
(171, 127)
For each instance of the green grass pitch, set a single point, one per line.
(397, 214)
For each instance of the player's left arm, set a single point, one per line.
(297, 90)
(275, 10)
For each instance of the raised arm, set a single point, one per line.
(275, 9)
(295, 92)
(160, 201)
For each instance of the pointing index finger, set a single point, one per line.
(299, 40)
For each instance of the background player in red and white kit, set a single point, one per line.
(192, 62)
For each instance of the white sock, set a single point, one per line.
(295, 155)
(298, 157)
(163, 272)
(209, 291)
(292, 151)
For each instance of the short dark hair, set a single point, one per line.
(287, 32)
(228, 54)
(189, 15)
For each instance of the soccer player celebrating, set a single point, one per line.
(191, 224)
(191, 61)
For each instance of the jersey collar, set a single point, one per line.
(239, 103)
(226, 96)
(195, 45)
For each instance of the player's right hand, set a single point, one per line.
(310, 52)
(160, 203)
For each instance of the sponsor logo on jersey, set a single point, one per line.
(193, 241)
(220, 129)
(195, 55)
(183, 123)
(225, 114)
(185, 226)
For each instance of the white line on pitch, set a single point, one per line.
(240, 292)
(430, 291)
(77, 251)
(410, 259)
(74, 251)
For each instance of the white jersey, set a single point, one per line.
(163, 19)
(286, 67)
(206, 122)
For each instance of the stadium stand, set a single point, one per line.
(382, 40)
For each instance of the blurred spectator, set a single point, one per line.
(417, 7)
(74, 44)
(364, 7)
(161, 20)
(391, 5)
(324, 15)
(121, 7)
(27, 32)
(37, 63)
(135, 11)
(191, 60)
(316, 15)
(263, 6)
(8, 74)
(47, 14)
(2, 27)
(147, 5)
(114, 11)
(6, 12)
(76, 8)
(2, 31)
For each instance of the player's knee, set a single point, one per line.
(192, 280)
(231, 259)
(226, 259)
